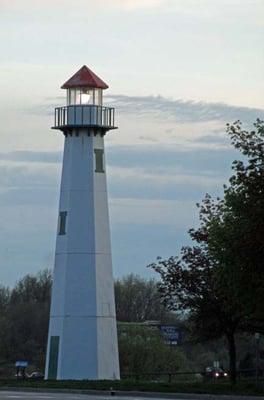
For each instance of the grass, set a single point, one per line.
(241, 388)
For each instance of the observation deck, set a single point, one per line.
(83, 116)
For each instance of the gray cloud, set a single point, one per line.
(166, 158)
(32, 156)
(141, 187)
(147, 244)
(143, 174)
(161, 107)
(35, 196)
(152, 158)
(25, 176)
(139, 171)
(183, 111)
(219, 139)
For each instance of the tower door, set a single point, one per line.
(53, 357)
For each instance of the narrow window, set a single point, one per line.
(99, 160)
(62, 222)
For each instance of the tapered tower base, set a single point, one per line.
(85, 349)
(82, 340)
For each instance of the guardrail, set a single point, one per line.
(165, 376)
(84, 115)
(194, 376)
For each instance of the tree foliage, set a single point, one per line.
(238, 240)
(143, 351)
(24, 318)
(219, 280)
(138, 300)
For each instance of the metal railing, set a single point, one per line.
(165, 376)
(246, 375)
(84, 115)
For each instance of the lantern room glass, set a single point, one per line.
(84, 96)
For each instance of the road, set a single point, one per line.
(4, 395)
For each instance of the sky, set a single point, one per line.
(178, 71)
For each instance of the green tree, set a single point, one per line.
(220, 280)
(188, 283)
(237, 240)
(28, 318)
(138, 300)
(142, 351)
(4, 321)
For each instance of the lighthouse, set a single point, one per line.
(82, 339)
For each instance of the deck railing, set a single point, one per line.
(84, 115)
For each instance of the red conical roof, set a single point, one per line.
(85, 78)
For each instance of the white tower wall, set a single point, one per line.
(82, 316)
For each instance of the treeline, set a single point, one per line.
(24, 318)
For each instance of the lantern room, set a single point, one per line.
(85, 88)
(84, 96)
(84, 108)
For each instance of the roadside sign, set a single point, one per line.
(22, 364)
(216, 364)
(171, 333)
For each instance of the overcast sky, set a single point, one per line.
(178, 70)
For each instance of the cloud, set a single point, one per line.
(183, 111)
(152, 211)
(32, 156)
(183, 187)
(166, 156)
(26, 177)
(150, 158)
(152, 189)
(135, 4)
(138, 172)
(162, 108)
(36, 196)
(84, 5)
(157, 157)
(215, 139)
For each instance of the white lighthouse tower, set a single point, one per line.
(82, 340)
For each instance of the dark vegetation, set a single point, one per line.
(219, 280)
(143, 353)
(213, 291)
